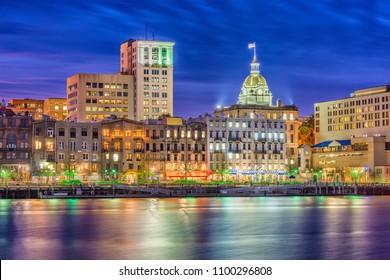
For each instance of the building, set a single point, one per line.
(159, 150)
(93, 97)
(15, 146)
(255, 102)
(44, 150)
(178, 148)
(359, 159)
(247, 149)
(304, 161)
(78, 147)
(364, 113)
(151, 64)
(123, 145)
(66, 151)
(56, 108)
(32, 107)
(353, 135)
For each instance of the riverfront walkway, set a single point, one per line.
(145, 191)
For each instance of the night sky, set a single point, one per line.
(310, 51)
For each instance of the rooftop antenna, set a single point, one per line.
(153, 36)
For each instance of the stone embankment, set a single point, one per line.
(43, 192)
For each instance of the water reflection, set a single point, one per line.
(202, 228)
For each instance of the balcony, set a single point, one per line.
(175, 150)
(218, 138)
(138, 150)
(235, 151)
(155, 137)
(234, 138)
(138, 138)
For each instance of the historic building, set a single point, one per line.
(159, 150)
(255, 103)
(44, 150)
(32, 107)
(151, 64)
(64, 148)
(15, 145)
(56, 108)
(247, 149)
(123, 145)
(94, 97)
(177, 148)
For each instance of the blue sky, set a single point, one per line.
(310, 51)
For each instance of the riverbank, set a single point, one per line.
(159, 191)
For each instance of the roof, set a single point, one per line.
(6, 112)
(332, 143)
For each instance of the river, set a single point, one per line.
(276, 228)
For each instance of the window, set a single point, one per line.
(61, 156)
(38, 145)
(95, 146)
(84, 132)
(85, 156)
(95, 133)
(73, 146)
(73, 133)
(84, 145)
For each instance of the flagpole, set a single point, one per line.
(254, 49)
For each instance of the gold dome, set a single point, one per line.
(255, 80)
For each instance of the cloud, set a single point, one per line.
(326, 47)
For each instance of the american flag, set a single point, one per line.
(251, 46)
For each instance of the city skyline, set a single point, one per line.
(329, 49)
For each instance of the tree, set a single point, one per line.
(222, 165)
(47, 173)
(306, 132)
(355, 174)
(5, 174)
(186, 168)
(145, 168)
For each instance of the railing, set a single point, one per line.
(234, 138)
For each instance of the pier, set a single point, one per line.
(145, 191)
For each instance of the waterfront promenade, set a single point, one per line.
(321, 189)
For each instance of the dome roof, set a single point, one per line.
(254, 80)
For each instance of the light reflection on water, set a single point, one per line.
(201, 228)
